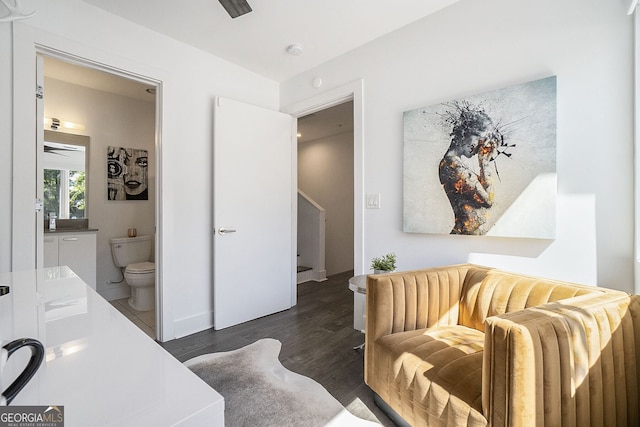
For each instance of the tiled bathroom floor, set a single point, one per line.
(145, 320)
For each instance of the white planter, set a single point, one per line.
(382, 271)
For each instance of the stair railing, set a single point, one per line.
(311, 235)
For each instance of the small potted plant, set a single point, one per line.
(384, 264)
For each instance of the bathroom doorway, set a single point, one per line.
(114, 110)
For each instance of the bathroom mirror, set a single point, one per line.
(66, 175)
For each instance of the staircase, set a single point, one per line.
(304, 272)
(311, 235)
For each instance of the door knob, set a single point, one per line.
(223, 230)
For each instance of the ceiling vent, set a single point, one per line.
(235, 8)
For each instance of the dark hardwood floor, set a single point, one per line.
(317, 339)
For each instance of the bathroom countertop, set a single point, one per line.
(98, 365)
(70, 230)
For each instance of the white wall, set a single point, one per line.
(472, 47)
(325, 173)
(119, 121)
(6, 111)
(189, 80)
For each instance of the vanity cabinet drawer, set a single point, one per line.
(50, 251)
(76, 250)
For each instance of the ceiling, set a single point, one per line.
(323, 124)
(96, 79)
(258, 40)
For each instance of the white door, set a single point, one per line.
(252, 212)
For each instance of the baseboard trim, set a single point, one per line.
(311, 275)
(320, 275)
(192, 324)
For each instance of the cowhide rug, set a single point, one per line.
(258, 391)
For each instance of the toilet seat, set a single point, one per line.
(141, 268)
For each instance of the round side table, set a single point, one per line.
(358, 284)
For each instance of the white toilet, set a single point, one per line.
(134, 254)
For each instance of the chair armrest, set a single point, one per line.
(570, 362)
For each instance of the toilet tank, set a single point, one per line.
(128, 250)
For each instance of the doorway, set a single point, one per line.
(325, 177)
(114, 110)
(352, 91)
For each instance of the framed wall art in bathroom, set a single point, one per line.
(483, 164)
(127, 174)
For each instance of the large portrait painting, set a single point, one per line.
(483, 165)
(127, 176)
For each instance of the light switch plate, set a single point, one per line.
(373, 201)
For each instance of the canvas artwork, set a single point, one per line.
(127, 177)
(483, 165)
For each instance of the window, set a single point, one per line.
(64, 193)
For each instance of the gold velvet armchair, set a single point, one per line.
(469, 345)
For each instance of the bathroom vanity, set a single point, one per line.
(97, 364)
(75, 248)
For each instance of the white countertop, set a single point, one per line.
(98, 365)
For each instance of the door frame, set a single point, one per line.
(87, 63)
(26, 49)
(350, 91)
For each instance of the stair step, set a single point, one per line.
(302, 268)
